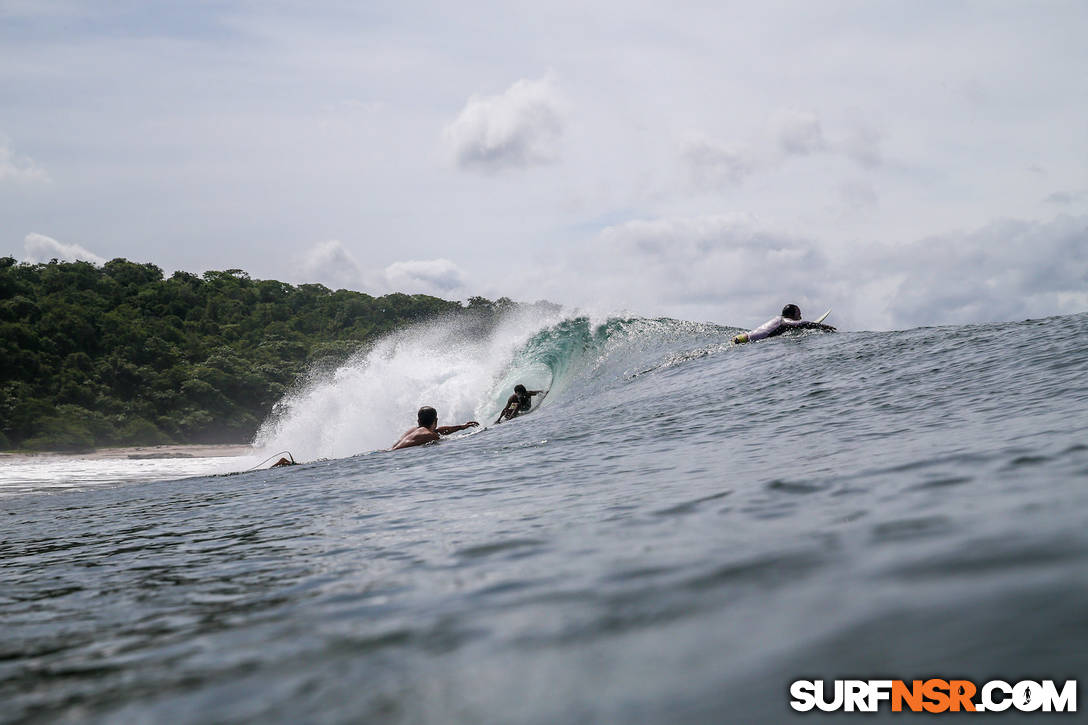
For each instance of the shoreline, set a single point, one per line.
(196, 450)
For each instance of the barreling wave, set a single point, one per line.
(467, 371)
(584, 357)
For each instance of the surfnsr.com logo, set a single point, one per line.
(933, 695)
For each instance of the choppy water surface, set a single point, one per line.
(682, 529)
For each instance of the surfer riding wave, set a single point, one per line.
(520, 402)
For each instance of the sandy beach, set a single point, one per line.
(141, 452)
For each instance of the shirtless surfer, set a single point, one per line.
(518, 403)
(790, 319)
(428, 430)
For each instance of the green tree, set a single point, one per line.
(117, 354)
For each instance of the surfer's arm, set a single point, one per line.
(800, 325)
(510, 410)
(808, 325)
(764, 330)
(447, 429)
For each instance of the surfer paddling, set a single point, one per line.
(518, 403)
(428, 430)
(790, 319)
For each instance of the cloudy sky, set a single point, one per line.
(906, 163)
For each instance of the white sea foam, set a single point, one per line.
(372, 399)
(54, 474)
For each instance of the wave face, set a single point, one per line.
(466, 370)
(682, 529)
(367, 403)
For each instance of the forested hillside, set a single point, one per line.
(117, 355)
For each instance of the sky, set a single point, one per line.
(903, 163)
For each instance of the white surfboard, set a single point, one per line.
(822, 317)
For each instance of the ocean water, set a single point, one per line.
(681, 529)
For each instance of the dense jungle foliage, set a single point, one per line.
(117, 355)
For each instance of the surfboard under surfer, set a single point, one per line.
(790, 319)
(428, 430)
(520, 402)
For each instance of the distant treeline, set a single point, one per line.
(117, 355)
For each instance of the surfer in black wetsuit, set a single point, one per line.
(790, 319)
(518, 403)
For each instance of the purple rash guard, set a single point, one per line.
(775, 326)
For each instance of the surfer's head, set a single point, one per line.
(427, 416)
(520, 389)
(791, 312)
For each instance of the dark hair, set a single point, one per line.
(427, 416)
(792, 312)
(519, 388)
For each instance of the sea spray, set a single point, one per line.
(466, 367)
(455, 364)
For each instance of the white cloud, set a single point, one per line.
(709, 266)
(1064, 198)
(1007, 270)
(862, 145)
(40, 248)
(735, 270)
(712, 164)
(519, 128)
(331, 263)
(858, 195)
(439, 277)
(18, 168)
(799, 133)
